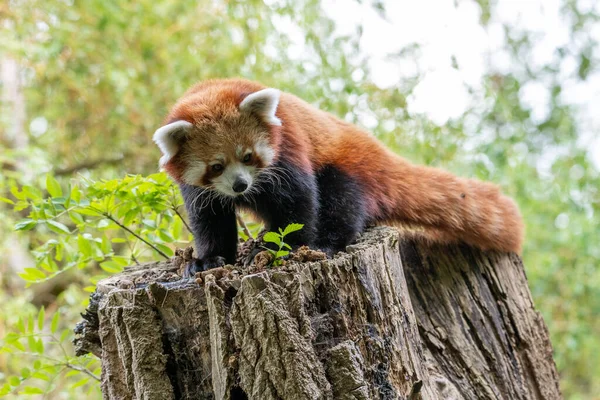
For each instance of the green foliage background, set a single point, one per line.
(99, 76)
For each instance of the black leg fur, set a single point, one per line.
(289, 198)
(342, 211)
(214, 229)
(330, 204)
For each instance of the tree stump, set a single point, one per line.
(393, 318)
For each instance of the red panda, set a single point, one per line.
(234, 143)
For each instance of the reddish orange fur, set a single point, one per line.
(396, 190)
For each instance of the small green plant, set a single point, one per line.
(109, 224)
(45, 346)
(278, 239)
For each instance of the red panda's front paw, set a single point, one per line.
(204, 264)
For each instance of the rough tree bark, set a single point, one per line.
(393, 318)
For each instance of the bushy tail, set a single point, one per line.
(467, 210)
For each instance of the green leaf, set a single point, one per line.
(40, 345)
(111, 267)
(5, 200)
(85, 247)
(5, 389)
(76, 218)
(32, 192)
(87, 211)
(292, 228)
(130, 216)
(58, 201)
(272, 237)
(19, 195)
(31, 390)
(58, 252)
(80, 383)
(57, 226)
(19, 345)
(75, 194)
(40, 375)
(165, 249)
(105, 246)
(32, 343)
(282, 253)
(165, 236)
(65, 334)
(71, 373)
(41, 317)
(11, 337)
(14, 380)
(54, 324)
(25, 373)
(30, 324)
(21, 205)
(25, 225)
(32, 274)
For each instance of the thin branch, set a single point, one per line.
(182, 219)
(136, 235)
(60, 362)
(135, 260)
(84, 370)
(243, 225)
(88, 165)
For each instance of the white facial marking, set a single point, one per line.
(224, 182)
(264, 151)
(239, 150)
(194, 172)
(166, 138)
(264, 103)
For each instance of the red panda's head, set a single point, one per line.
(220, 136)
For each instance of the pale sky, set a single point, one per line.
(444, 30)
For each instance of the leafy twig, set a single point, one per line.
(107, 215)
(84, 370)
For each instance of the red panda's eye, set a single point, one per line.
(247, 157)
(217, 167)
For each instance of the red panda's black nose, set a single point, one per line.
(239, 186)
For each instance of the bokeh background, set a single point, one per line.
(501, 90)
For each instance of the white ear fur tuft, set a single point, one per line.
(166, 138)
(264, 103)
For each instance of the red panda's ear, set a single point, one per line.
(264, 104)
(168, 137)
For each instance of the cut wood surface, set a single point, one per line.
(393, 318)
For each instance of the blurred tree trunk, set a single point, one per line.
(393, 318)
(14, 103)
(14, 137)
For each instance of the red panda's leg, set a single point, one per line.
(284, 195)
(342, 210)
(469, 210)
(213, 225)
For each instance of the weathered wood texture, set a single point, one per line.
(392, 318)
